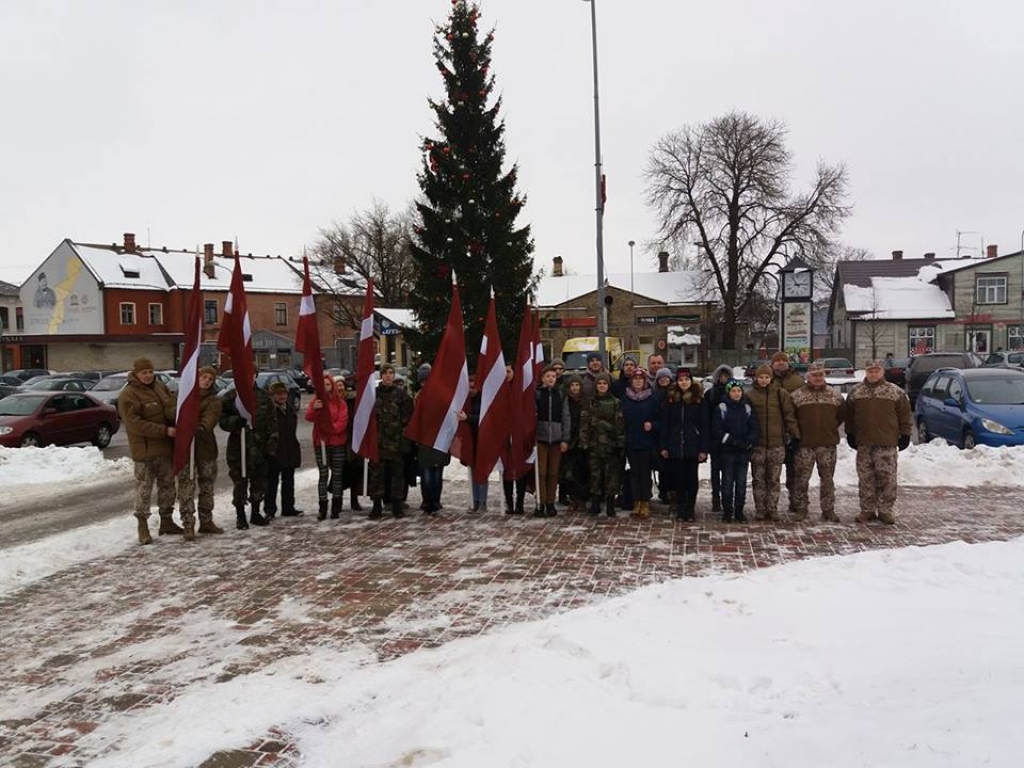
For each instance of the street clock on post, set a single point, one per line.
(797, 327)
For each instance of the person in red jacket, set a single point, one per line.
(330, 422)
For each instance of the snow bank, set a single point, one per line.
(903, 657)
(41, 466)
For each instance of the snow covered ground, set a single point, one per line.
(21, 468)
(891, 658)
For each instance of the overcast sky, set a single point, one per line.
(206, 120)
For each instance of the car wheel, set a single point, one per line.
(922, 432)
(968, 442)
(30, 440)
(103, 435)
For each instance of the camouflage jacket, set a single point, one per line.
(602, 427)
(393, 409)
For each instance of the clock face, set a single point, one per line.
(797, 284)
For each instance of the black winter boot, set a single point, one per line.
(322, 511)
(609, 506)
(167, 524)
(240, 522)
(727, 514)
(552, 512)
(336, 507)
(739, 517)
(521, 502)
(396, 510)
(378, 510)
(255, 517)
(595, 507)
(716, 504)
(354, 504)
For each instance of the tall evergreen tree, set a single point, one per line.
(469, 204)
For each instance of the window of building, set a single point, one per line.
(156, 314)
(921, 339)
(19, 319)
(5, 322)
(127, 313)
(280, 313)
(210, 312)
(991, 289)
(1015, 337)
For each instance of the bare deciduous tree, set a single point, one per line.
(374, 243)
(725, 185)
(826, 275)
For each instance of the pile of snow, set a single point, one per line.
(42, 466)
(904, 657)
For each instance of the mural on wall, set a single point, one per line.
(62, 297)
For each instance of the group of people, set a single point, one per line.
(603, 443)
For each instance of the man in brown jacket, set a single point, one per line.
(878, 425)
(205, 468)
(147, 412)
(776, 422)
(820, 410)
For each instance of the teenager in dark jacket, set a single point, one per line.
(713, 397)
(641, 411)
(554, 428)
(734, 434)
(281, 447)
(684, 439)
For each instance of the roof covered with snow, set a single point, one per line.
(898, 298)
(115, 268)
(663, 287)
(403, 318)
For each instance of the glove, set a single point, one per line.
(904, 442)
(794, 444)
(851, 441)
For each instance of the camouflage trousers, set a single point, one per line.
(251, 488)
(205, 477)
(765, 471)
(161, 471)
(605, 474)
(876, 479)
(804, 462)
(387, 480)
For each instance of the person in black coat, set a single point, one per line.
(286, 455)
(714, 396)
(734, 432)
(684, 440)
(641, 411)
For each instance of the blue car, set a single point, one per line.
(975, 406)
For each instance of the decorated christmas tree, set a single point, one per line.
(469, 202)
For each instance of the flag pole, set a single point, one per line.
(536, 471)
(192, 460)
(245, 467)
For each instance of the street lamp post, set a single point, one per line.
(602, 329)
(632, 290)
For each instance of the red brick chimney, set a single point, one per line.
(991, 251)
(556, 267)
(226, 249)
(663, 261)
(129, 242)
(897, 255)
(208, 260)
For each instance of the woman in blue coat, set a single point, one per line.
(734, 431)
(685, 439)
(641, 411)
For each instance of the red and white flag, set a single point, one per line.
(235, 339)
(307, 336)
(493, 430)
(364, 425)
(538, 348)
(434, 419)
(524, 404)
(186, 416)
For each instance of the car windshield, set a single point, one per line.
(111, 383)
(991, 391)
(20, 406)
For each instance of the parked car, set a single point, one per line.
(994, 359)
(301, 379)
(922, 366)
(7, 387)
(977, 406)
(290, 373)
(837, 366)
(94, 375)
(63, 418)
(24, 374)
(263, 381)
(170, 379)
(896, 370)
(58, 384)
(107, 389)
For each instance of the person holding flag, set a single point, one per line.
(203, 471)
(330, 434)
(489, 409)
(392, 410)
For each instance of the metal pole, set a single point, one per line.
(632, 290)
(602, 329)
(1020, 328)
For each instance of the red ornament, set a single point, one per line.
(449, 36)
(465, 176)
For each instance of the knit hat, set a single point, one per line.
(663, 372)
(681, 372)
(874, 364)
(142, 364)
(763, 369)
(639, 373)
(594, 356)
(574, 379)
(780, 357)
(208, 370)
(629, 359)
(733, 384)
(603, 377)
(277, 386)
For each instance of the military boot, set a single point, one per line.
(888, 518)
(255, 517)
(645, 509)
(336, 507)
(322, 512)
(167, 524)
(830, 517)
(189, 531)
(240, 522)
(378, 510)
(636, 509)
(206, 524)
(144, 535)
(609, 506)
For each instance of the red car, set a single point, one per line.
(56, 418)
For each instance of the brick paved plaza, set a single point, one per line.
(90, 646)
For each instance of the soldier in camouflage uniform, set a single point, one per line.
(393, 409)
(878, 426)
(820, 410)
(603, 436)
(205, 448)
(776, 423)
(785, 377)
(253, 484)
